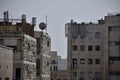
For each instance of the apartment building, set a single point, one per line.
(91, 46)
(19, 36)
(43, 55)
(6, 63)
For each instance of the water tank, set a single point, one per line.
(34, 21)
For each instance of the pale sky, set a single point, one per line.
(59, 12)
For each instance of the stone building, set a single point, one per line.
(91, 47)
(19, 36)
(6, 63)
(58, 67)
(43, 57)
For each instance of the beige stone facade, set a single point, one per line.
(91, 47)
(6, 63)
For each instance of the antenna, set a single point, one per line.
(46, 22)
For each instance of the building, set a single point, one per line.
(43, 57)
(91, 47)
(6, 63)
(58, 67)
(62, 64)
(54, 60)
(19, 36)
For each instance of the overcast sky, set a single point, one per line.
(59, 12)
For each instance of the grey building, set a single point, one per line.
(93, 49)
(43, 55)
(19, 36)
(6, 63)
(58, 67)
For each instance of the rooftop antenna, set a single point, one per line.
(46, 22)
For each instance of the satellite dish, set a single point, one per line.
(42, 26)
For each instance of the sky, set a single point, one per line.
(59, 12)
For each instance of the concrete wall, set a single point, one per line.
(6, 63)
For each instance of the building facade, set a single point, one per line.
(6, 63)
(58, 67)
(43, 55)
(19, 36)
(89, 53)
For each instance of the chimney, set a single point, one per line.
(23, 18)
(6, 16)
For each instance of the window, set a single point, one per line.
(90, 35)
(74, 31)
(54, 67)
(97, 34)
(82, 75)
(97, 48)
(51, 68)
(53, 62)
(82, 47)
(97, 61)
(7, 78)
(82, 61)
(0, 78)
(90, 74)
(114, 28)
(75, 74)
(48, 43)
(117, 73)
(90, 61)
(74, 63)
(97, 76)
(74, 47)
(114, 43)
(90, 48)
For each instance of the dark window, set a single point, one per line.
(74, 31)
(114, 58)
(48, 43)
(82, 61)
(7, 78)
(18, 73)
(54, 67)
(53, 62)
(0, 79)
(97, 48)
(51, 68)
(97, 34)
(82, 47)
(90, 48)
(97, 61)
(51, 79)
(90, 61)
(74, 63)
(58, 79)
(116, 73)
(74, 47)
